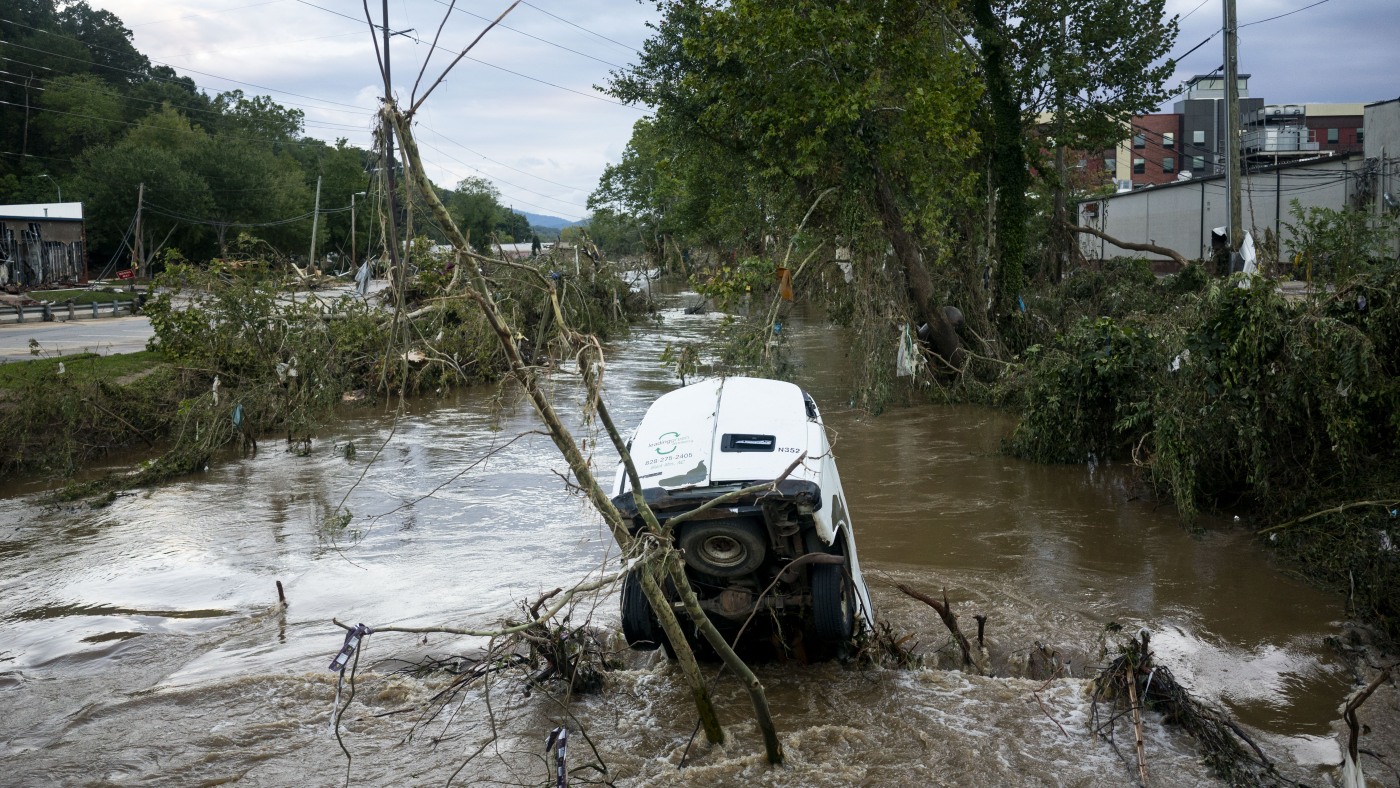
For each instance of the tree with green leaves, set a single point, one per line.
(1089, 67)
(871, 100)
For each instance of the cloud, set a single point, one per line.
(1338, 51)
(529, 131)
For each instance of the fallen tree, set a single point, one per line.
(1133, 245)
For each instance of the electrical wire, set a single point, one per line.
(202, 15)
(478, 61)
(508, 183)
(214, 113)
(1280, 16)
(528, 35)
(630, 49)
(494, 161)
(171, 65)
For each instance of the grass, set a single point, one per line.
(82, 366)
(81, 297)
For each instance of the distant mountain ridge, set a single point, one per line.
(552, 222)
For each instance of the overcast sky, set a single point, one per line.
(543, 135)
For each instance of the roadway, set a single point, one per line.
(104, 336)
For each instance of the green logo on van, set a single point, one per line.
(667, 442)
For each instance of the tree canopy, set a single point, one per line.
(913, 117)
(85, 110)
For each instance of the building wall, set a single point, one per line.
(36, 252)
(1181, 215)
(1382, 123)
(1346, 127)
(1203, 132)
(1155, 149)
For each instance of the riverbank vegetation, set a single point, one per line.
(237, 355)
(939, 129)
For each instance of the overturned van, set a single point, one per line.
(745, 558)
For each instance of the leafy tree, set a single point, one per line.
(258, 118)
(161, 153)
(114, 58)
(873, 100)
(83, 112)
(474, 206)
(1091, 65)
(512, 227)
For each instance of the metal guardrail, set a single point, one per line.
(49, 313)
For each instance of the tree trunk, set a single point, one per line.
(919, 284)
(563, 440)
(1010, 177)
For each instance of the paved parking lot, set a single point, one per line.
(105, 336)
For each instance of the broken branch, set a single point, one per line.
(1134, 246)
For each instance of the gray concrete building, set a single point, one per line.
(1202, 108)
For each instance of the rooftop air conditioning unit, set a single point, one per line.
(1123, 186)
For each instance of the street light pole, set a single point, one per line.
(55, 185)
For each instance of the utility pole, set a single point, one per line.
(1232, 128)
(136, 252)
(388, 135)
(315, 222)
(353, 227)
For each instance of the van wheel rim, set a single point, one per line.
(722, 551)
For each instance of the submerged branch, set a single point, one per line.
(1325, 512)
(950, 620)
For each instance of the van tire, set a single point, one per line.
(833, 605)
(639, 626)
(724, 548)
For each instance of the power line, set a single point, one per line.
(501, 163)
(285, 43)
(528, 35)
(137, 123)
(508, 183)
(630, 49)
(202, 15)
(123, 97)
(1280, 16)
(1192, 11)
(419, 41)
(171, 65)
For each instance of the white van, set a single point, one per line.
(704, 440)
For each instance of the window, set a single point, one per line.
(1332, 136)
(1168, 164)
(1110, 164)
(1198, 162)
(1139, 140)
(1168, 139)
(1360, 134)
(1139, 166)
(1198, 137)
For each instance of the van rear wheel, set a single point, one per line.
(833, 604)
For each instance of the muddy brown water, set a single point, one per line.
(142, 643)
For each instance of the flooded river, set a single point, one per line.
(143, 643)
